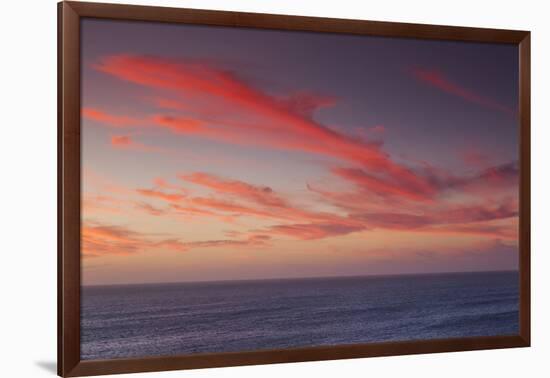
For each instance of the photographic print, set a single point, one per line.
(251, 190)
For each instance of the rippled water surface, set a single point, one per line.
(169, 319)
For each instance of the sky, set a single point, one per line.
(213, 153)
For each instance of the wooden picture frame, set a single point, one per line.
(69, 185)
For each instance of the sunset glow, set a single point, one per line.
(227, 154)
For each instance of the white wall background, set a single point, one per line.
(28, 186)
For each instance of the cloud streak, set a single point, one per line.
(110, 119)
(252, 116)
(127, 142)
(232, 199)
(103, 240)
(385, 194)
(439, 80)
(262, 195)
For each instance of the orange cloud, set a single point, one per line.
(150, 209)
(278, 213)
(263, 195)
(101, 240)
(121, 140)
(312, 231)
(168, 197)
(190, 210)
(101, 203)
(98, 240)
(234, 208)
(252, 241)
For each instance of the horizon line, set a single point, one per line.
(302, 278)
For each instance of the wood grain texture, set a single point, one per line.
(68, 190)
(525, 187)
(284, 22)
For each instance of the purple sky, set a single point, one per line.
(422, 134)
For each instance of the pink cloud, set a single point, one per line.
(168, 197)
(127, 142)
(252, 116)
(449, 215)
(179, 125)
(109, 119)
(263, 195)
(415, 190)
(439, 80)
(488, 182)
(93, 203)
(234, 198)
(208, 102)
(310, 231)
(150, 209)
(474, 157)
(98, 240)
(306, 103)
(121, 140)
(377, 129)
(101, 240)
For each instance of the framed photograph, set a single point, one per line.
(239, 188)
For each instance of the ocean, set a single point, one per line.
(122, 321)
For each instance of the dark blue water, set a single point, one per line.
(169, 319)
